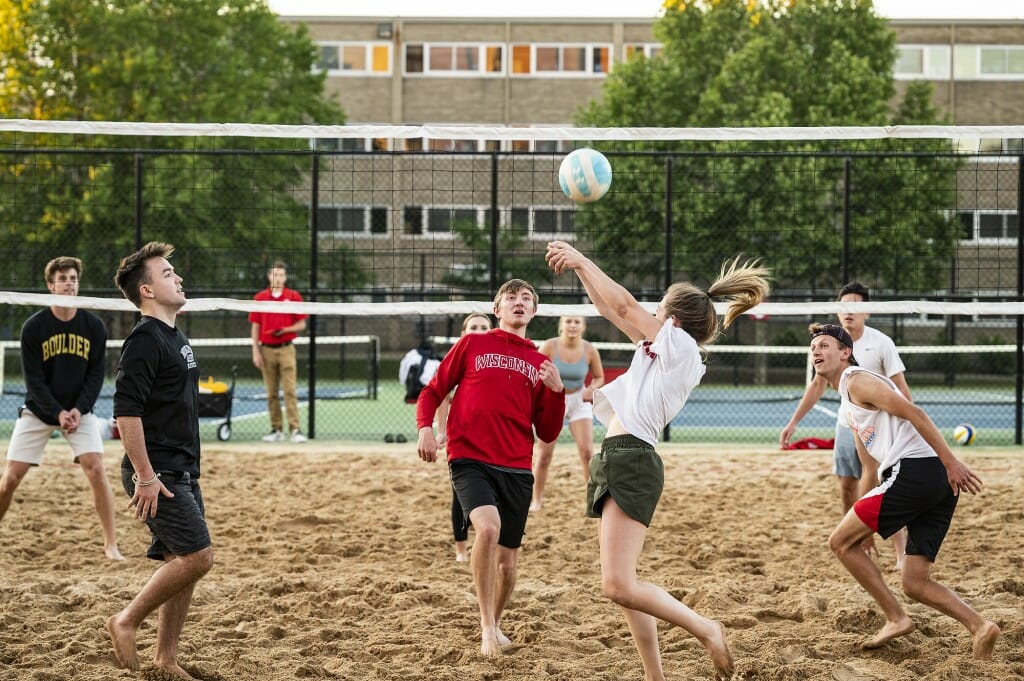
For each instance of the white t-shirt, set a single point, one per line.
(875, 352)
(887, 438)
(657, 384)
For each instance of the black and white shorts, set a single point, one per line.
(915, 494)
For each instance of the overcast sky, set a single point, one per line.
(894, 9)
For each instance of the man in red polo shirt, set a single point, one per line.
(274, 354)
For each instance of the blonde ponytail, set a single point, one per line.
(743, 285)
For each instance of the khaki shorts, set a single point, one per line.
(31, 435)
(631, 472)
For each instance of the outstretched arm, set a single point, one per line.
(611, 299)
(812, 394)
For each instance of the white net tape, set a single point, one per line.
(482, 132)
(545, 310)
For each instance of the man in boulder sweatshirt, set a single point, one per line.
(506, 390)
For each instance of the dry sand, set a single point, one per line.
(334, 562)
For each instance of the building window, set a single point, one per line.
(561, 60)
(922, 61)
(443, 220)
(412, 220)
(351, 144)
(420, 221)
(646, 50)
(454, 59)
(989, 62)
(352, 220)
(548, 222)
(437, 144)
(988, 226)
(355, 59)
(1000, 61)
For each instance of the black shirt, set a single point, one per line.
(158, 380)
(62, 363)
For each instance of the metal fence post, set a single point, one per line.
(314, 249)
(1020, 297)
(667, 434)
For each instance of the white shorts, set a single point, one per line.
(576, 409)
(31, 435)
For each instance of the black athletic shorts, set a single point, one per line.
(478, 484)
(915, 494)
(179, 527)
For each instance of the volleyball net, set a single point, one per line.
(396, 232)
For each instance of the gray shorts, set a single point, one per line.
(846, 463)
(631, 472)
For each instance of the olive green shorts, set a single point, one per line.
(629, 470)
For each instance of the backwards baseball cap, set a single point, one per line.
(834, 330)
(837, 332)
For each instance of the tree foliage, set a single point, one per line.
(516, 258)
(738, 63)
(183, 61)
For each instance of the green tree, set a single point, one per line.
(735, 63)
(516, 258)
(207, 61)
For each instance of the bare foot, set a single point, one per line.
(889, 631)
(985, 640)
(112, 552)
(536, 505)
(503, 640)
(166, 672)
(461, 552)
(123, 640)
(718, 647)
(489, 646)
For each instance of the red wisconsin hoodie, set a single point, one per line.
(499, 401)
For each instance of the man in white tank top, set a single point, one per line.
(874, 351)
(910, 479)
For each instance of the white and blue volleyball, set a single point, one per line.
(964, 434)
(585, 175)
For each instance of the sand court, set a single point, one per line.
(334, 561)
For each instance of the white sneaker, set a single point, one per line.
(297, 436)
(273, 436)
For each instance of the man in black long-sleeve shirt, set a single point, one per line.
(62, 351)
(156, 404)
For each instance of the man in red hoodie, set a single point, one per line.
(506, 390)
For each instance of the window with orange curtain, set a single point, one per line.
(521, 59)
(381, 59)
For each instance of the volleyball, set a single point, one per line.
(585, 175)
(964, 434)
